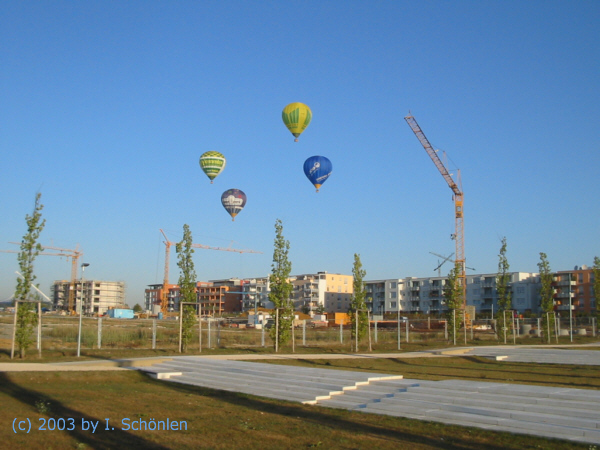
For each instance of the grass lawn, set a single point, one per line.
(217, 419)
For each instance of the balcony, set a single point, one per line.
(565, 283)
(563, 307)
(564, 295)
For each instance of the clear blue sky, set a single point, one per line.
(106, 106)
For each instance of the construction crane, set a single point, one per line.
(164, 294)
(456, 187)
(68, 253)
(440, 264)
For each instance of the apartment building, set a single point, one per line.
(339, 290)
(98, 296)
(214, 297)
(575, 288)
(383, 295)
(219, 296)
(426, 295)
(310, 293)
(152, 298)
(255, 294)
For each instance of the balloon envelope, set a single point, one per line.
(296, 117)
(317, 169)
(233, 200)
(212, 163)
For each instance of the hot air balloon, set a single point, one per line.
(317, 170)
(296, 117)
(233, 201)
(212, 163)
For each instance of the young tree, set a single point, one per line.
(137, 308)
(596, 272)
(30, 248)
(281, 287)
(187, 284)
(503, 288)
(453, 293)
(358, 306)
(546, 295)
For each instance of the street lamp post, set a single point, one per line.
(83, 266)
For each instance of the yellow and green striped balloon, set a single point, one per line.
(212, 163)
(296, 117)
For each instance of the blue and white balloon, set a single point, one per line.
(317, 169)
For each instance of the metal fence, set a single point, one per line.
(61, 332)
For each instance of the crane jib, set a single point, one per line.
(432, 154)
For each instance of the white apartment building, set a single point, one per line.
(309, 292)
(524, 286)
(98, 296)
(256, 294)
(384, 295)
(426, 295)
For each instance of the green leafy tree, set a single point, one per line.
(453, 294)
(30, 249)
(503, 288)
(358, 306)
(546, 296)
(596, 272)
(281, 287)
(187, 284)
(137, 308)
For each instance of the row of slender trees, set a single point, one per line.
(280, 287)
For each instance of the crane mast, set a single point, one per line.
(455, 186)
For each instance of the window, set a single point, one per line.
(393, 305)
(392, 294)
(392, 285)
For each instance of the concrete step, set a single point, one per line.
(501, 403)
(264, 383)
(547, 399)
(244, 366)
(259, 370)
(292, 396)
(500, 400)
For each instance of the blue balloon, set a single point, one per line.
(317, 169)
